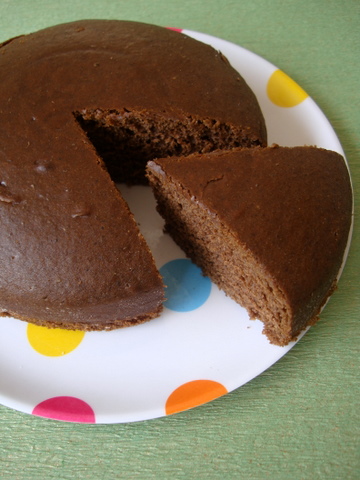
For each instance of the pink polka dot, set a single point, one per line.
(68, 409)
(175, 29)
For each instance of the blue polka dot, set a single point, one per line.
(186, 287)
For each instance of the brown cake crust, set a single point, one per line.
(269, 226)
(71, 253)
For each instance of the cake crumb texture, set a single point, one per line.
(268, 225)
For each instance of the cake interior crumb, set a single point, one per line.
(214, 248)
(126, 140)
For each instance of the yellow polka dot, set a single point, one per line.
(283, 91)
(53, 342)
(192, 394)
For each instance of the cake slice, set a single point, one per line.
(269, 226)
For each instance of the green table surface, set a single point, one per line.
(300, 418)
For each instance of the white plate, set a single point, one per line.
(180, 360)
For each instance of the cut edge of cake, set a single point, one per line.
(195, 225)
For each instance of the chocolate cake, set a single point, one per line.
(268, 225)
(81, 105)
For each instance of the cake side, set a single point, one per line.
(269, 226)
(213, 247)
(127, 139)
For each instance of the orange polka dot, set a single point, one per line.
(53, 342)
(192, 394)
(283, 91)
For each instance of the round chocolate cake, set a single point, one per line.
(81, 105)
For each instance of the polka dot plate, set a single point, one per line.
(203, 345)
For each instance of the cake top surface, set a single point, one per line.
(112, 64)
(291, 207)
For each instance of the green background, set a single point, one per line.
(299, 419)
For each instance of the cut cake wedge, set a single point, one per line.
(268, 225)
